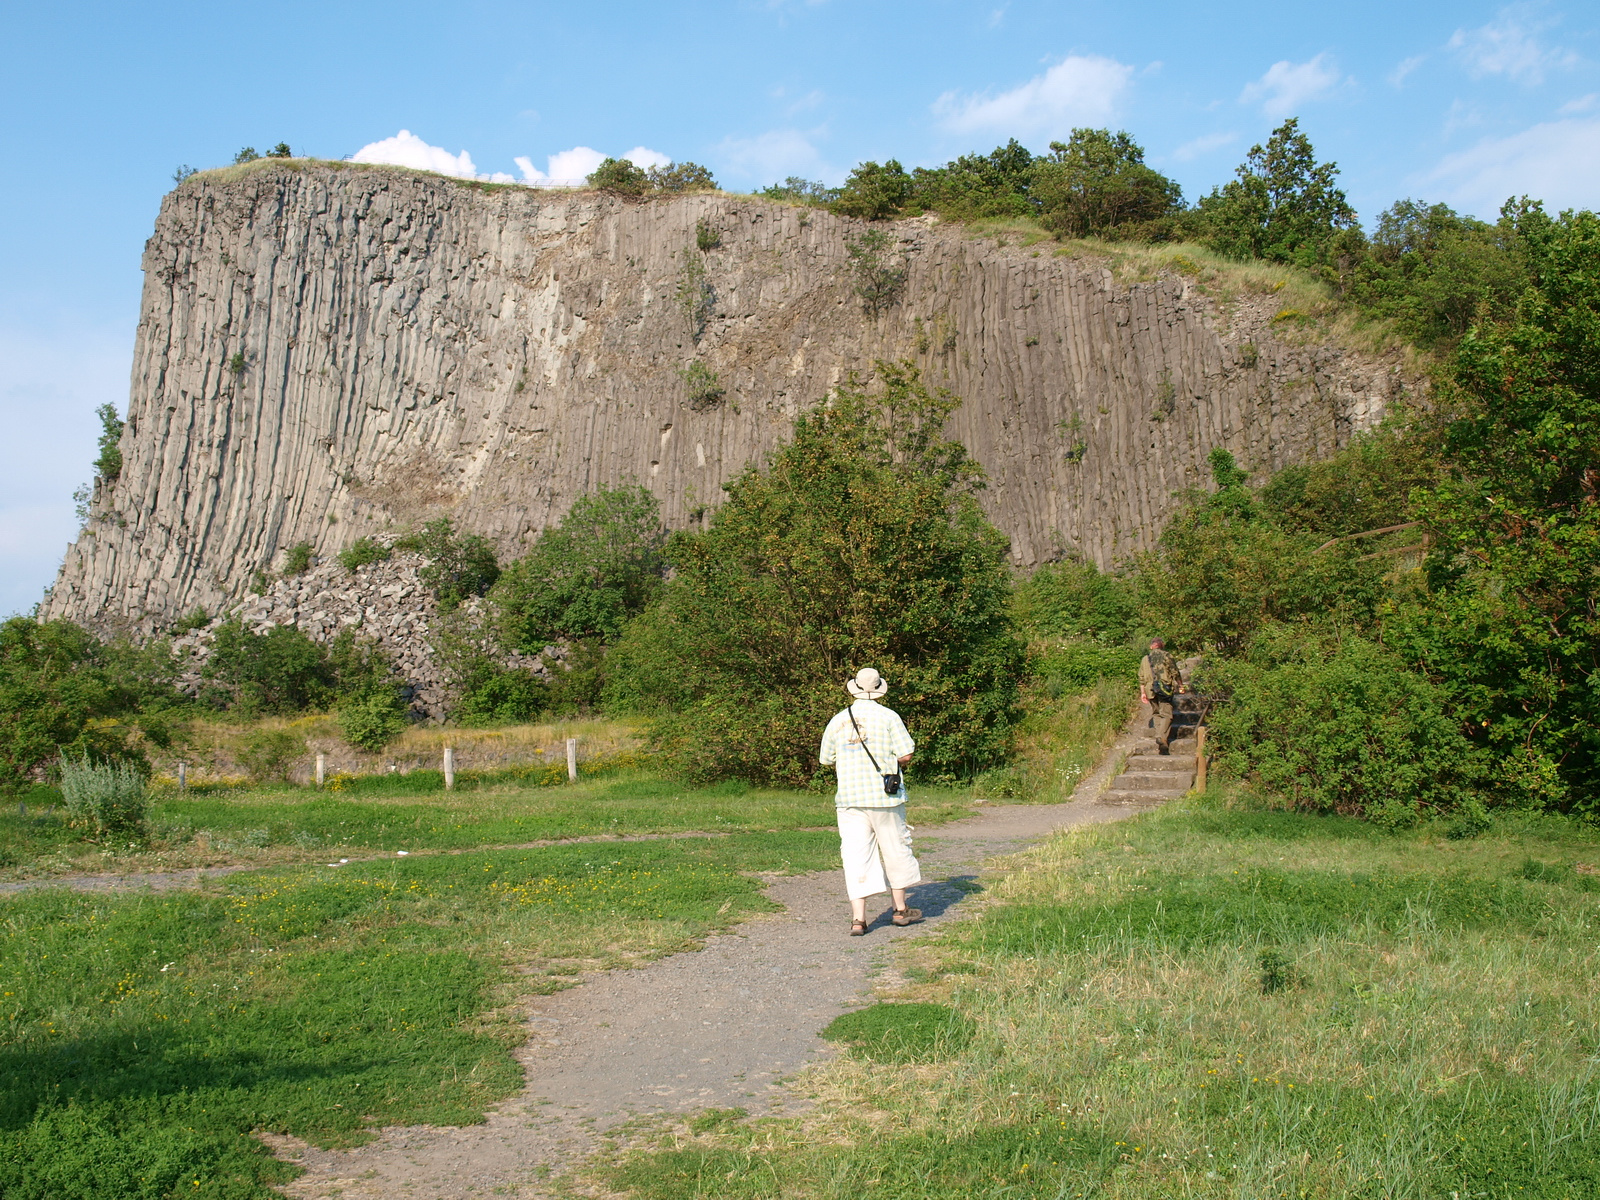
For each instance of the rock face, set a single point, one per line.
(329, 351)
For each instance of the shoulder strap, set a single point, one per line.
(852, 712)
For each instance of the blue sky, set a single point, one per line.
(1465, 103)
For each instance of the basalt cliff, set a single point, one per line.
(329, 351)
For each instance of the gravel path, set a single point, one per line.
(720, 1027)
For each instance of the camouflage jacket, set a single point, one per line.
(1159, 668)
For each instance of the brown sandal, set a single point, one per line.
(858, 928)
(907, 916)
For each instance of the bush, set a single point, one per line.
(974, 186)
(1344, 727)
(471, 653)
(459, 565)
(795, 190)
(878, 279)
(1074, 599)
(859, 543)
(279, 671)
(110, 799)
(270, 753)
(1096, 185)
(281, 150)
(373, 718)
(502, 696)
(108, 462)
(682, 177)
(65, 694)
(700, 386)
(1283, 206)
(298, 559)
(620, 176)
(361, 552)
(583, 579)
(246, 155)
(1077, 666)
(874, 192)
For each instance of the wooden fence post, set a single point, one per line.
(449, 768)
(572, 760)
(1200, 758)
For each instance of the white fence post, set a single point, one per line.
(449, 768)
(183, 777)
(572, 759)
(322, 768)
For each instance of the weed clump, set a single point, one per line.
(109, 799)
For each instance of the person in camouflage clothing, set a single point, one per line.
(1159, 684)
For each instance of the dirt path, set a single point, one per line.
(721, 1027)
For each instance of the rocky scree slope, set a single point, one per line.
(327, 351)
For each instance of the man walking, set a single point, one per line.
(867, 745)
(1159, 682)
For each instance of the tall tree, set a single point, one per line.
(1283, 206)
(1095, 184)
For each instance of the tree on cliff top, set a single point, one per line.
(1283, 205)
(858, 544)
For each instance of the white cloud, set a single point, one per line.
(571, 168)
(1557, 162)
(1509, 45)
(639, 156)
(1287, 86)
(1080, 90)
(1407, 65)
(1582, 104)
(773, 156)
(1203, 145)
(406, 149)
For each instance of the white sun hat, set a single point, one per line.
(867, 685)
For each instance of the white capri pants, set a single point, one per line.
(864, 835)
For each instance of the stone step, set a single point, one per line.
(1180, 748)
(1155, 781)
(1117, 797)
(1161, 762)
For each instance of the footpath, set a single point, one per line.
(722, 1027)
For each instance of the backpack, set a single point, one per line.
(1165, 671)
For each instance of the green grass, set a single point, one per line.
(147, 1036)
(285, 823)
(908, 1032)
(1210, 1001)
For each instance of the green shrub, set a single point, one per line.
(281, 150)
(195, 618)
(977, 185)
(108, 462)
(459, 565)
(246, 155)
(1075, 666)
(876, 276)
(1096, 185)
(700, 385)
(795, 190)
(298, 559)
(110, 799)
(1075, 599)
(682, 177)
(583, 579)
(696, 297)
(874, 192)
(361, 552)
(270, 753)
(620, 176)
(858, 544)
(501, 696)
(707, 236)
(279, 671)
(372, 719)
(65, 694)
(1283, 206)
(1346, 727)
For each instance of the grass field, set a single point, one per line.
(283, 823)
(147, 1036)
(1210, 1001)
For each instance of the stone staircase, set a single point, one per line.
(1151, 777)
